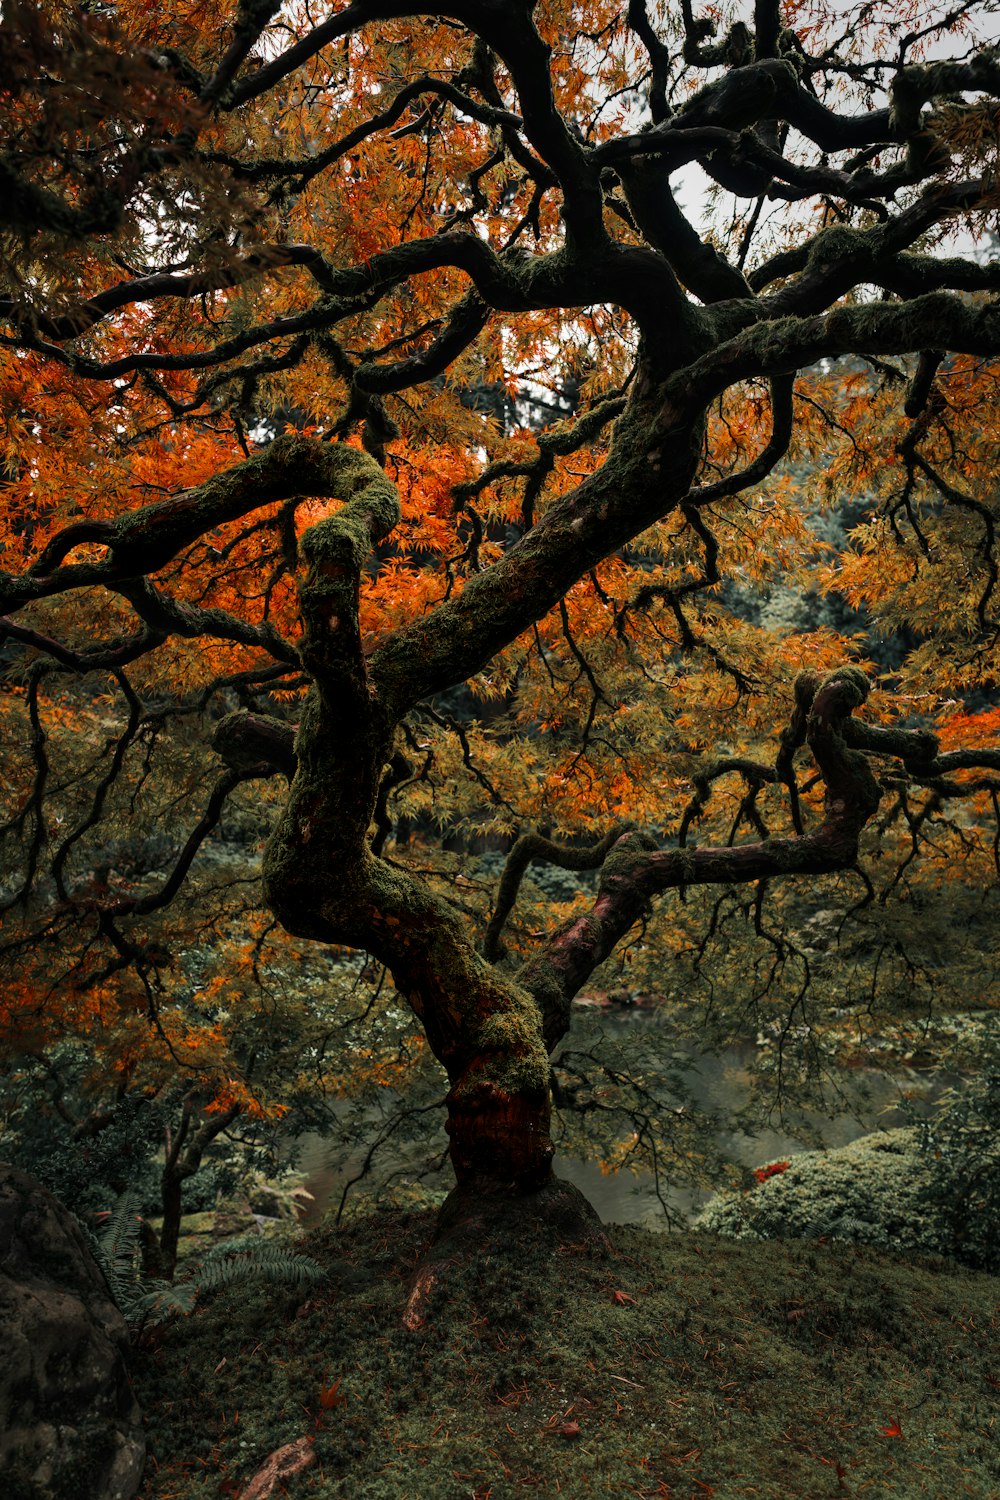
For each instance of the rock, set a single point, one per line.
(69, 1423)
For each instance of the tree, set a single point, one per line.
(257, 265)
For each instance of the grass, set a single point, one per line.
(671, 1366)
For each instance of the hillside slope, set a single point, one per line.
(669, 1366)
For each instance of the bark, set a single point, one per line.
(184, 1155)
(323, 881)
(493, 1031)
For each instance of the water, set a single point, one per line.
(720, 1084)
(716, 1084)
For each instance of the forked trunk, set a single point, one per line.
(483, 1027)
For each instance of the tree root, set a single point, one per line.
(489, 1224)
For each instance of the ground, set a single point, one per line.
(658, 1365)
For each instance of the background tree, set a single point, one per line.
(236, 222)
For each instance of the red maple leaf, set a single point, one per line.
(329, 1395)
(772, 1170)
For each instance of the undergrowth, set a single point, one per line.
(143, 1301)
(675, 1366)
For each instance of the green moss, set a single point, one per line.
(370, 512)
(880, 1190)
(515, 1028)
(623, 856)
(341, 540)
(836, 243)
(936, 318)
(746, 1369)
(512, 1054)
(853, 678)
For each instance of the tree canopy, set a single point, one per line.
(407, 415)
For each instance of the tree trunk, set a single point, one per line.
(172, 1198)
(487, 1223)
(184, 1152)
(321, 877)
(499, 1135)
(483, 1028)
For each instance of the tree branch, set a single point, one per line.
(531, 847)
(634, 872)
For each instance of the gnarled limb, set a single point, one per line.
(247, 740)
(528, 848)
(634, 872)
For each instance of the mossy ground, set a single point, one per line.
(785, 1369)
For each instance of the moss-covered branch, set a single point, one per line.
(528, 849)
(143, 541)
(634, 872)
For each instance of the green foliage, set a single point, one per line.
(118, 1252)
(962, 1145)
(234, 1262)
(892, 1190)
(87, 1172)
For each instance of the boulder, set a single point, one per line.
(69, 1423)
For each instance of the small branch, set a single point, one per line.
(782, 413)
(634, 872)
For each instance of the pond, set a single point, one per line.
(719, 1084)
(716, 1084)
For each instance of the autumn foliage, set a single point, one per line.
(414, 424)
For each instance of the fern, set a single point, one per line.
(238, 1260)
(118, 1252)
(160, 1300)
(142, 1301)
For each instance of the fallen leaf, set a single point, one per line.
(330, 1396)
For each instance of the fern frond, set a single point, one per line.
(117, 1251)
(227, 1264)
(153, 1306)
(237, 1260)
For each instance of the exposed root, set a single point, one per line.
(485, 1224)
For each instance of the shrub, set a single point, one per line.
(910, 1191)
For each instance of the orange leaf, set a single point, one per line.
(330, 1396)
